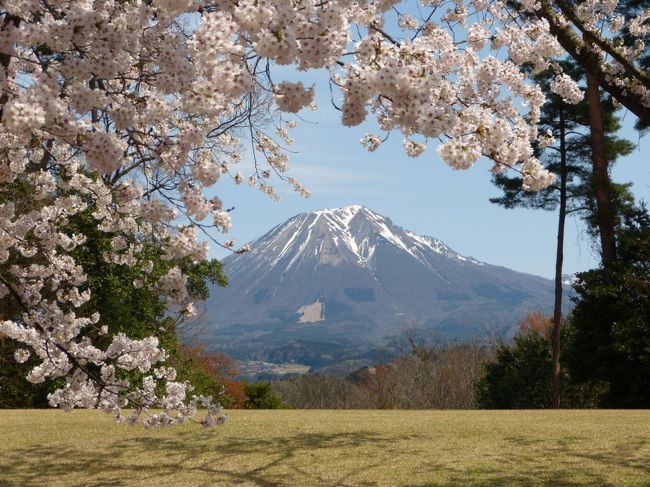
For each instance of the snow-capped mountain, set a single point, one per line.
(350, 275)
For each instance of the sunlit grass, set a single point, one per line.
(330, 448)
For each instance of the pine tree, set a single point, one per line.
(571, 158)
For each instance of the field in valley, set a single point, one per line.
(330, 448)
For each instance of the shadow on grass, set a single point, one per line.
(551, 463)
(293, 459)
(129, 462)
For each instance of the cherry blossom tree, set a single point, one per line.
(136, 109)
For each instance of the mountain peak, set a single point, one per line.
(348, 209)
(350, 274)
(343, 215)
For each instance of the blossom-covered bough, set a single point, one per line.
(135, 110)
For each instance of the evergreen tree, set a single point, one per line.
(571, 158)
(610, 337)
(517, 377)
(260, 395)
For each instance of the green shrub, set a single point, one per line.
(259, 395)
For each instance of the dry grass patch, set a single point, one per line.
(330, 448)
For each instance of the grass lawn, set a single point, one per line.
(330, 448)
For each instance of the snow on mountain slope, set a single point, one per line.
(353, 230)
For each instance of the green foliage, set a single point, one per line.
(138, 312)
(15, 390)
(260, 395)
(123, 308)
(518, 377)
(610, 340)
(199, 274)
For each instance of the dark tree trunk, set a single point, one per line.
(559, 257)
(605, 217)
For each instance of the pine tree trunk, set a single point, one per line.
(559, 257)
(605, 217)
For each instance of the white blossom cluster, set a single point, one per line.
(567, 88)
(138, 110)
(409, 87)
(292, 97)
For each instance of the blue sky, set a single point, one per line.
(423, 194)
